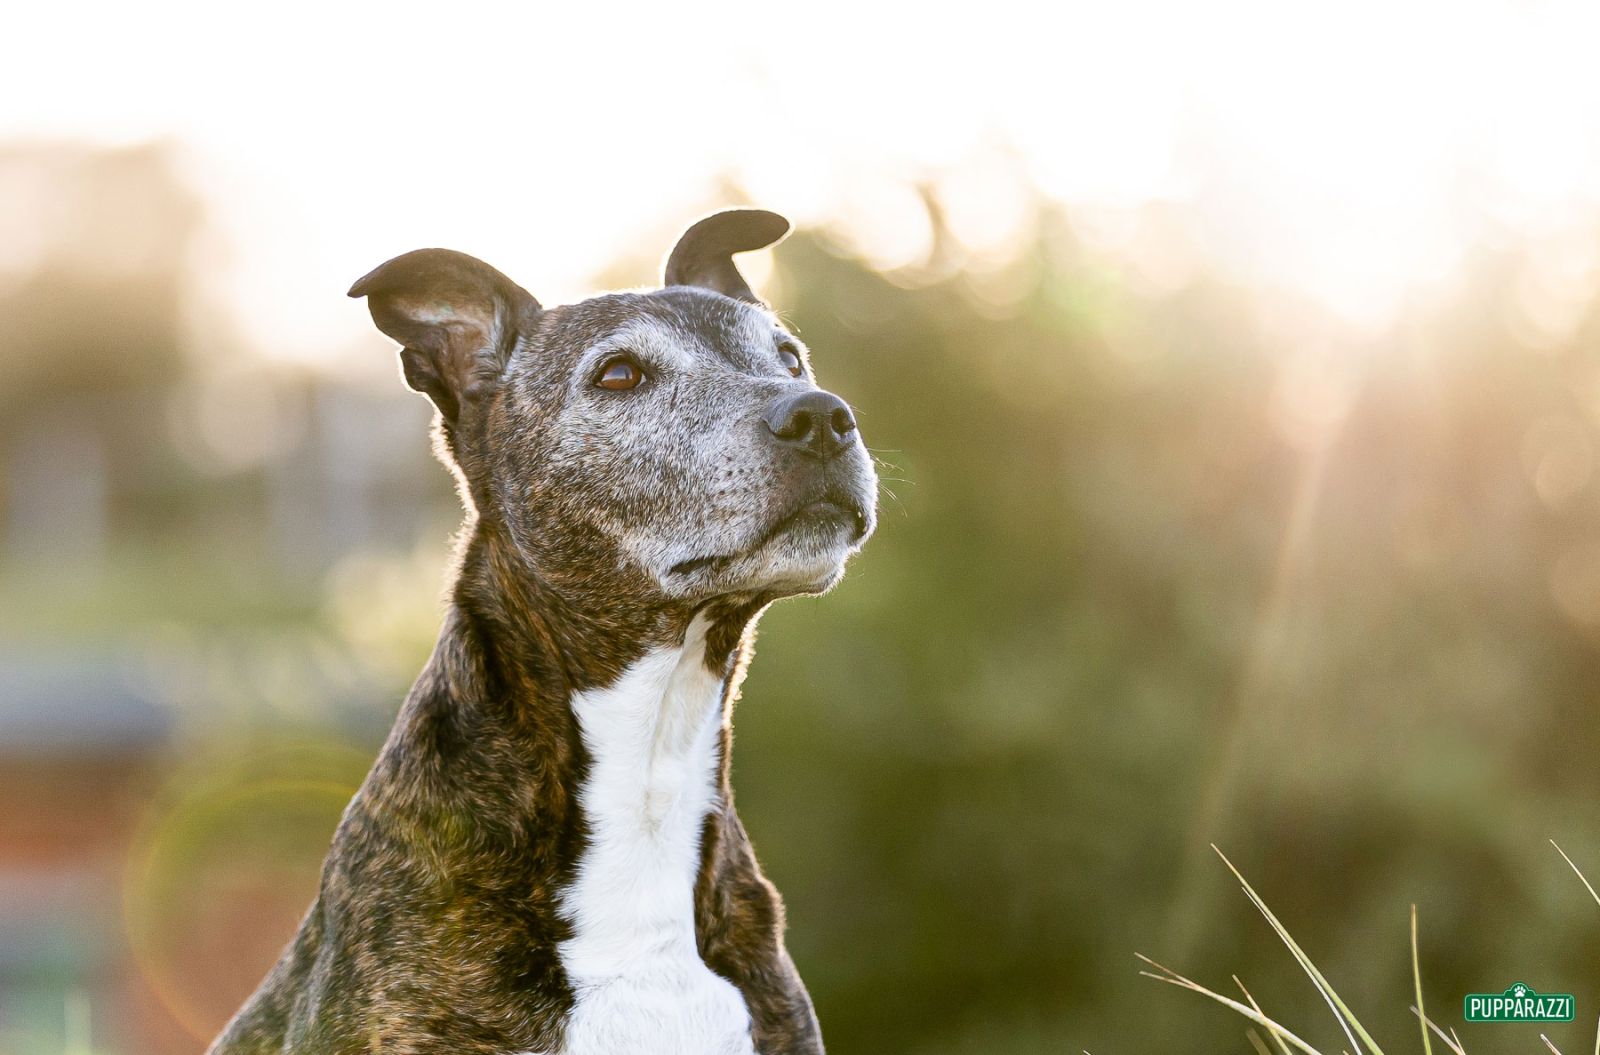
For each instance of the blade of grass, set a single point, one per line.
(1453, 1045)
(1416, 978)
(1589, 887)
(1256, 1042)
(1549, 1045)
(1279, 1040)
(1341, 1011)
(1172, 977)
(1581, 877)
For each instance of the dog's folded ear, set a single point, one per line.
(456, 318)
(704, 254)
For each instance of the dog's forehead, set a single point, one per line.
(680, 322)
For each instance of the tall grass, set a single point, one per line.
(1361, 1042)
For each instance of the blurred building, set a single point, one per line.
(79, 744)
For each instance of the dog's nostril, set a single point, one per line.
(797, 427)
(842, 422)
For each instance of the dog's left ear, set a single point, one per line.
(704, 254)
(456, 317)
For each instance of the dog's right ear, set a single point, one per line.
(456, 318)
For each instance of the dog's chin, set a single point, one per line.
(804, 554)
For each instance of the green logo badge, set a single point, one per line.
(1519, 1004)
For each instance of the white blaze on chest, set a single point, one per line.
(637, 977)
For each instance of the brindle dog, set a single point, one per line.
(545, 856)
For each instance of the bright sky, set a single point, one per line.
(1349, 150)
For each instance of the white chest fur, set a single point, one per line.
(639, 983)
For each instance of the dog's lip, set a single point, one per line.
(831, 505)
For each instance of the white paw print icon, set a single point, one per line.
(1519, 990)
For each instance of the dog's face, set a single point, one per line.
(684, 426)
(673, 442)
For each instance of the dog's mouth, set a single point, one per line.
(831, 508)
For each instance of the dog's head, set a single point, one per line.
(672, 443)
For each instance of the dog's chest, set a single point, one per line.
(638, 981)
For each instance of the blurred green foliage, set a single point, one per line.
(1124, 607)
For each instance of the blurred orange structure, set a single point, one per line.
(79, 746)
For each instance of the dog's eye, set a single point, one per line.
(790, 360)
(619, 375)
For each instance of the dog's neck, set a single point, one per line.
(607, 736)
(562, 705)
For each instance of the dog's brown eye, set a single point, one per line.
(619, 375)
(790, 360)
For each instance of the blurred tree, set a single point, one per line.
(92, 295)
(94, 277)
(1158, 573)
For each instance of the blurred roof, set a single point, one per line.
(67, 702)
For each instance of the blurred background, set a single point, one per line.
(1235, 375)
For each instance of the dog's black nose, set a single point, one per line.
(816, 422)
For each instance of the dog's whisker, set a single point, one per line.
(901, 505)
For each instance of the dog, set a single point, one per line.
(545, 857)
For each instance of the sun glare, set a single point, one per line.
(1351, 153)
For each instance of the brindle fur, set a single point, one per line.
(436, 928)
